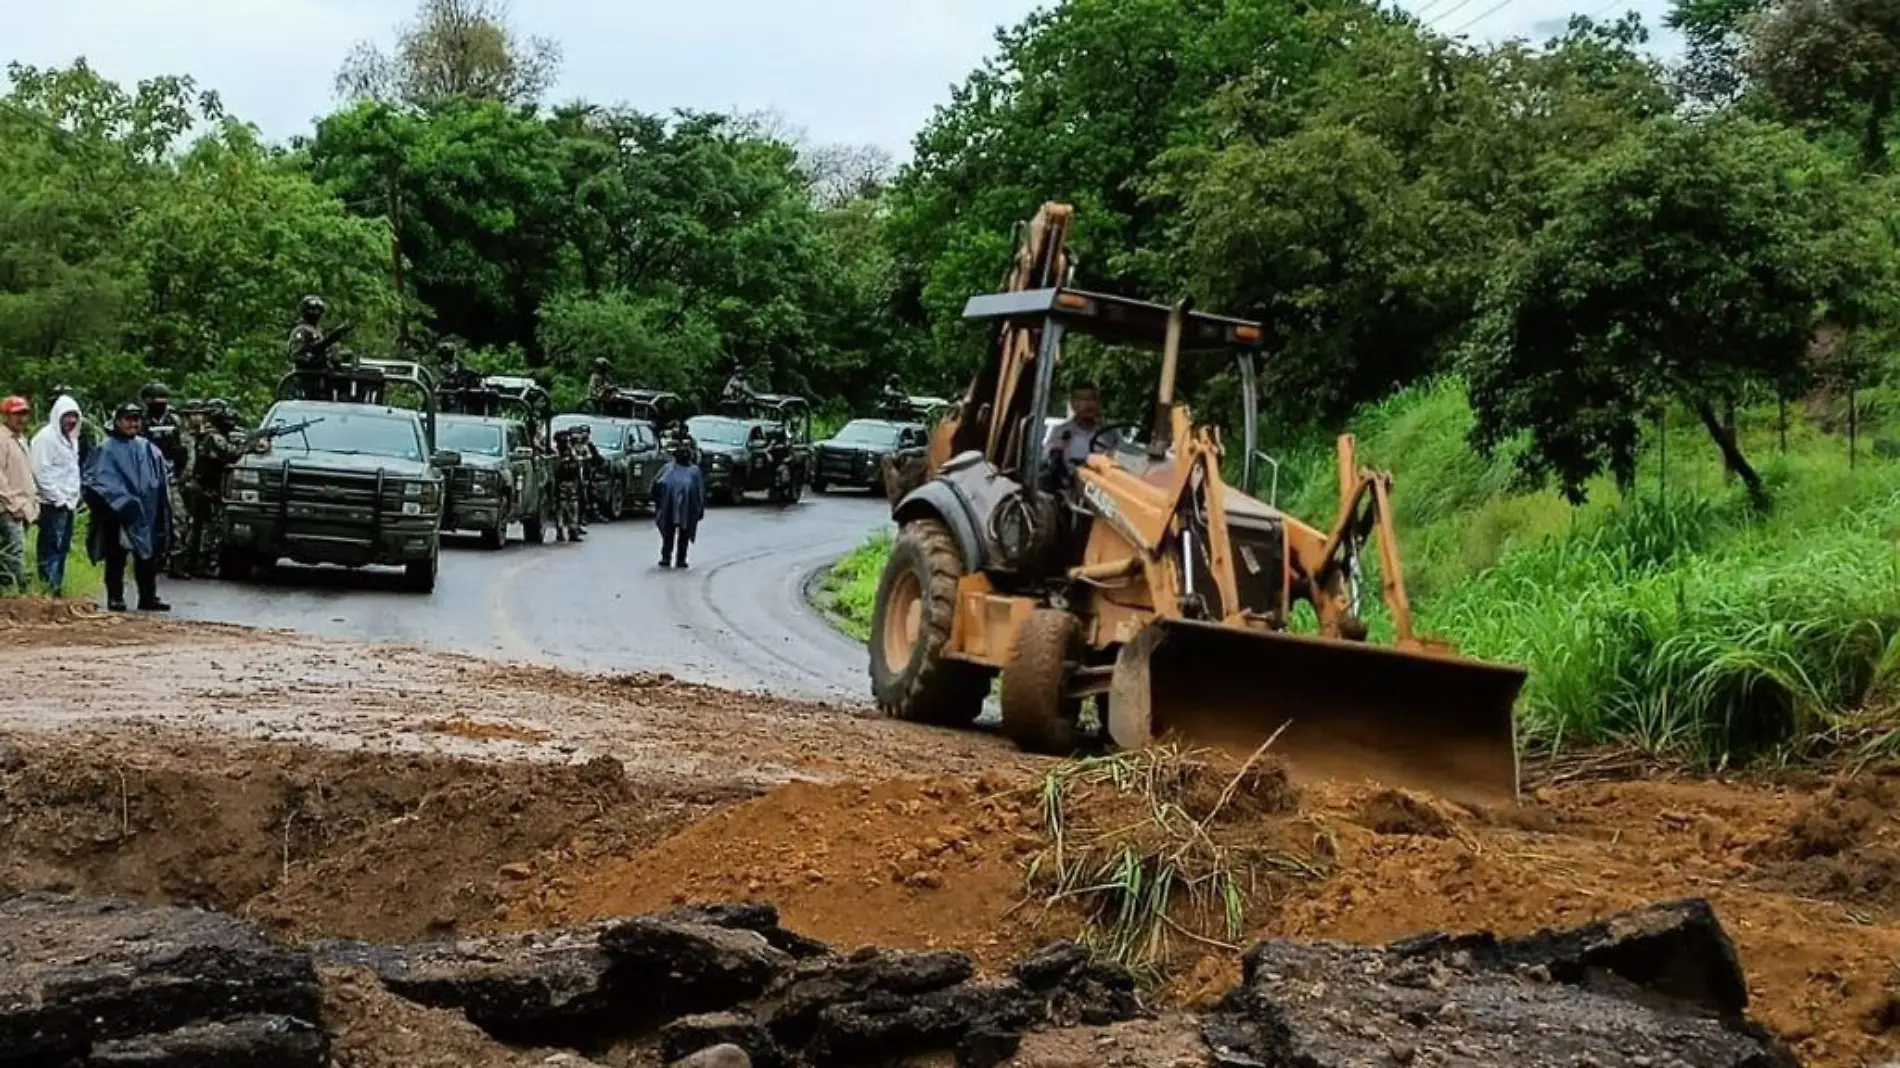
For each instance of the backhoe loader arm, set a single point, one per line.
(1365, 513)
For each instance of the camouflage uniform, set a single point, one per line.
(164, 431)
(309, 365)
(738, 394)
(215, 450)
(568, 476)
(600, 382)
(591, 463)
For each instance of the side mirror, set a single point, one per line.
(522, 453)
(445, 459)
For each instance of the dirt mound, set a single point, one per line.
(852, 865)
(946, 861)
(314, 842)
(1844, 846)
(43, 611)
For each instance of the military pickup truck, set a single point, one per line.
(631, 448)
(854, 457)
(342, 482)
(500, 481)
(492, 490)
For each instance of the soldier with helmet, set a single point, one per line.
(600, 383)
(568, 477)
(217, 449)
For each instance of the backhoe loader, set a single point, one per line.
(1144, 582)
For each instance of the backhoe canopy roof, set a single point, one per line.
(1116, 320)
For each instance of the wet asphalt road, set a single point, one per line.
(738, 618)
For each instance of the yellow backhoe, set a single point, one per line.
(1141, 580)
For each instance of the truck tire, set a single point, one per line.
(910, 626)
(1035, 715)
(419, 575)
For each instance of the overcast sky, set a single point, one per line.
(845, 70)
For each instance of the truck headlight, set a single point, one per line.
(244, 476)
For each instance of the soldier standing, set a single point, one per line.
(600, 382)
(738, 395)
(591, 463)
(216, 449)
(185, 493)
(308, 361)
(567, 488)
(896, 401)
(162, 429)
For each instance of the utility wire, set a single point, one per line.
(1452, 10)
(1485, 14)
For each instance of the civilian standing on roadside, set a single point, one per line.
(56, 470)
(679, 503)
(128, 496)
(19, 497)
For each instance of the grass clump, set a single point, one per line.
(848, 592)
(1163, 846)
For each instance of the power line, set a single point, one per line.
(1487, 13)
(1452, 10)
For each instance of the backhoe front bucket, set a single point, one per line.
(1344, 710)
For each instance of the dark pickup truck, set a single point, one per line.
(854, 457)
(357, 485)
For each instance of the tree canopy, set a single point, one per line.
(1395, 205)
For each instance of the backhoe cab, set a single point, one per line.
(1145, 583)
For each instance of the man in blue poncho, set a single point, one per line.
(679, 502)
(128, 495)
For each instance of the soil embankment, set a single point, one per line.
(344, 791)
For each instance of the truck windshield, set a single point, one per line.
(867, 432)
(469, 438)
(606, 433)
(350, 434)
(719, 431)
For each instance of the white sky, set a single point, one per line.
(846, 70)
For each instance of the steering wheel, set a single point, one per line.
(1112, 436)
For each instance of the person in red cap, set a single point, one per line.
(19, 496)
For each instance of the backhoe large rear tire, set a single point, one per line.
(911, 677)
(1035, 714)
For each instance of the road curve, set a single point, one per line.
(737, 618)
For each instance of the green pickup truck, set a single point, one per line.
(500, 481)
(342, 483)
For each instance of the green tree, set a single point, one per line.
(1831, 59)
(453, 48)
(207, 314)
(1685, 265)
(474, 190)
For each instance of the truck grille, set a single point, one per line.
(838, 464)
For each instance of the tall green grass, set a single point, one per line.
(1674, 618)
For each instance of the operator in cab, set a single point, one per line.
(1069, 443)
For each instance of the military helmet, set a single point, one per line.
(601, 362)
(192, 407)
(128, 410)
(312, 305)
(155, 391)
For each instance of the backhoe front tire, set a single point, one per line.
(1036, 715)
(911, 677)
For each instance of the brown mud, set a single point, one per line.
(389, 794)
